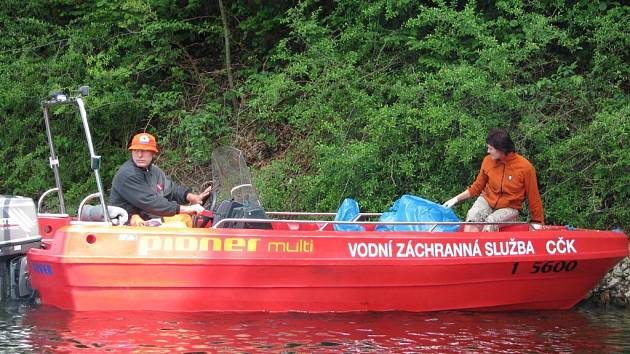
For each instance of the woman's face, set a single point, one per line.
(494, 153)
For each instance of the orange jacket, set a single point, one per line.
(504, 184)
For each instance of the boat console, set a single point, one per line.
(229, 209)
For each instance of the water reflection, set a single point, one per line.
(45, 329)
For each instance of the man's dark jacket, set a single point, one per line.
(147, 192)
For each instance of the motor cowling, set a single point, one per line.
(19, 232)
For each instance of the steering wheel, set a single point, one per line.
(208, 203)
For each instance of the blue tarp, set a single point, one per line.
(348, 211)
(412, 208)
(407, 208)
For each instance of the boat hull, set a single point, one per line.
(107, 268)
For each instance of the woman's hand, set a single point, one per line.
(450, 203)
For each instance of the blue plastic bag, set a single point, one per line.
(348, 211)
(412, 208)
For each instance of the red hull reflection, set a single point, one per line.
(446, 332)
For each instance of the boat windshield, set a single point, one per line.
(231, 178)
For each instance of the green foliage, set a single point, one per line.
(397, 98)
(202, 131)
(136, 57)
(369, 100)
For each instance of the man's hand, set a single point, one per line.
(198, 198)
(136, 220)
(450, 203)
(191, 209)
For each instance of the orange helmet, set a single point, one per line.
(143, 141)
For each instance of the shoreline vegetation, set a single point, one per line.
(362, 99)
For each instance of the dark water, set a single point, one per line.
(32, 329)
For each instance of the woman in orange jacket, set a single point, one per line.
(505, 178)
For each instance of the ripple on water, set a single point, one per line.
(25, 329)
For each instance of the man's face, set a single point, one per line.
(494, 153)
(142, 158)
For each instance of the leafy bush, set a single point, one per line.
(332, 99)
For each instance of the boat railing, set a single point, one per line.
(311, 214)
(304, 213)
(40, 201)
(433, 224)
(85, 201)
(95, 160)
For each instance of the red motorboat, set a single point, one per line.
(296, 267)
(242, 258)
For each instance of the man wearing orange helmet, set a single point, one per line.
(142, 188)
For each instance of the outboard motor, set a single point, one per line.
(19, 232)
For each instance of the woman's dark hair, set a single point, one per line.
(500, 140)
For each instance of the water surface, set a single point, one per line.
(33, 329)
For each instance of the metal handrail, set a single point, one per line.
(95, 160)
(298, 213)
(305, 213)
(40, 201)
(53, 160)
(277, 221)
(240, 186)
(84, 201)
(356, 218)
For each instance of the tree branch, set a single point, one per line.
(228, 64)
